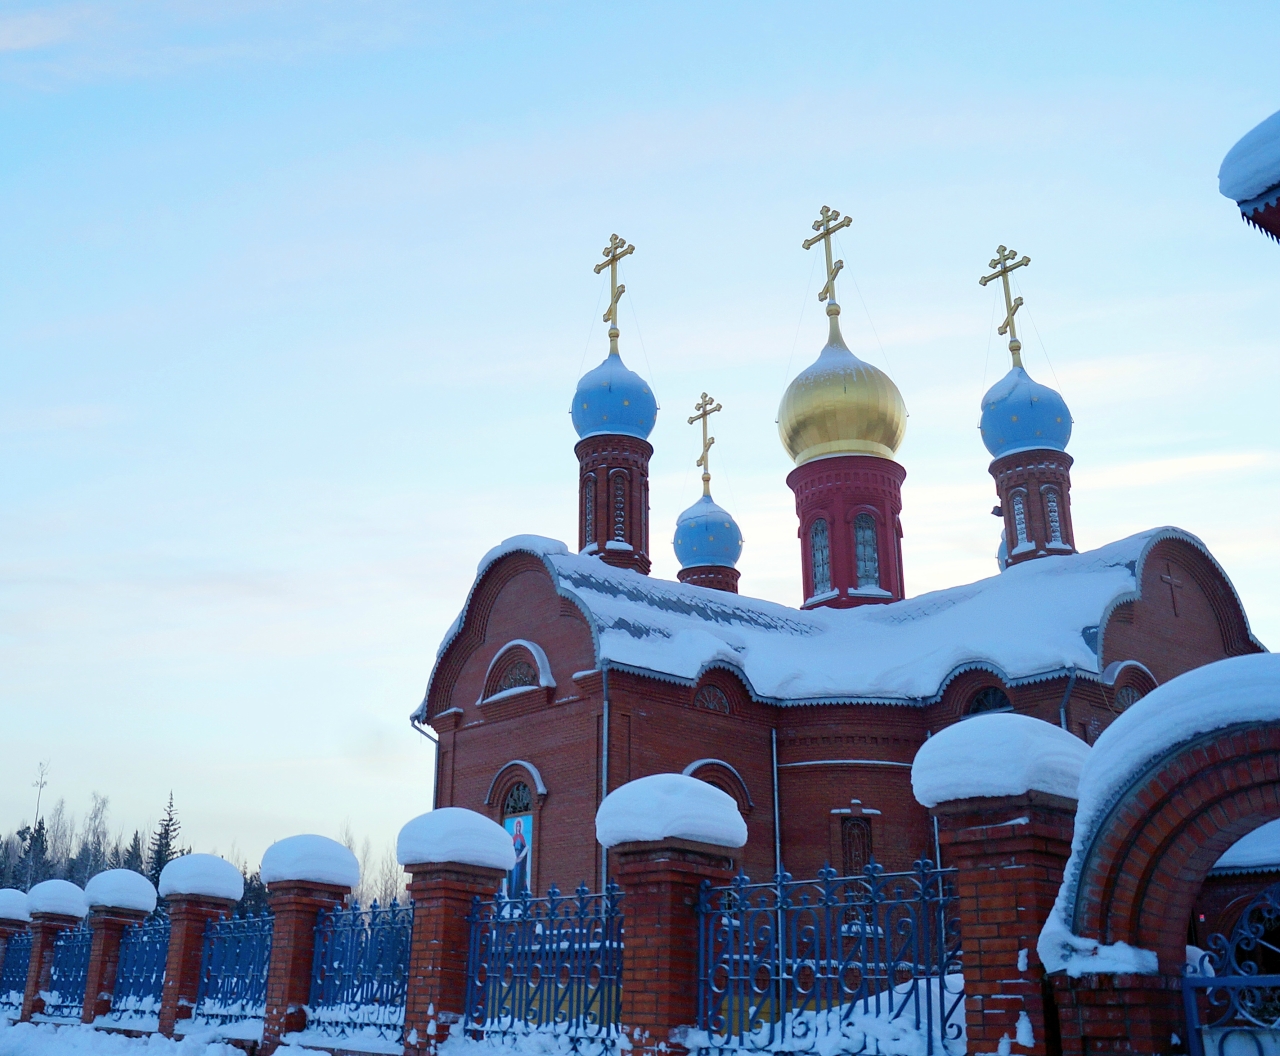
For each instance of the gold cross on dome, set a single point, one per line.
(612, 253)
(705, 407)
(827, 224)
(1003, 267)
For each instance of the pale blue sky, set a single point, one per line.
(293, 297)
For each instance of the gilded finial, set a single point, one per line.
(612, 253)
(1003, 267)
(827, 224)
(705, 407)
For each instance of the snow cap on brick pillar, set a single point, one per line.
(1002, 789)
(55, 906)
(13, 906)
(663, 806)
(305, 875)
(117, 898)
(196, 888)
(668, 833)
(452, 855)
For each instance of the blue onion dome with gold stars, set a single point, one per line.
(707, 535)
(1019, 414)
(613, 400)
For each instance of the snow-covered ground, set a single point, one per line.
(42, 1039)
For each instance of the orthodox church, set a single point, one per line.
(571, 671)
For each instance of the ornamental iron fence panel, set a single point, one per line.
(13, 970)
(549, 965)
(65, 997)
(233, 969)
(144, 947)
(834, 964)
(1231, 991)
(360, 972)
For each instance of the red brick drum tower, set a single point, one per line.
(842, 421)
(613, 412)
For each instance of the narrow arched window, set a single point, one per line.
(820, 555)
(589, 509)
(620, 507)
(1019, 519)
(855, 845)
(864, 538)
(1054, 516)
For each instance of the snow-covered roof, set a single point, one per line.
(1251, 168)
(1033, 621)
(1257, 852)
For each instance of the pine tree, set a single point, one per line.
(164, 843)
(33, 864)
(254, 899)
(133, 856)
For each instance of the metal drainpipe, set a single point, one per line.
(604, 768)
(777, 830)
(434, 738)
(1062, 708)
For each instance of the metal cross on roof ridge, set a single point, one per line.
(617, 248)
(827, 224)
(1003, 267)
(705, 410)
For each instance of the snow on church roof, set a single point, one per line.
(1033, 621)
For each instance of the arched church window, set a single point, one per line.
(990, 698)
(1019, 519)
(820, 554)
(589, 508)
(517, 819)
(1054, 515)
(1127, 696)
(855, 845)
(620, 507)
(518, 673)
(868, 553)
(712, 698)
(518, 800)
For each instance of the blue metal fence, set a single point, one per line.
(360, 972)
(548, 964)
(139, 982)
(834, 964)
(1231, 992)
(233, 969)
(13, 971)
(65, 996)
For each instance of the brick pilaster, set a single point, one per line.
(1010, 852)
(1134, 1015)
(104, 957)
(660, 882)
(45, 929)
(296, 905)
(188, 915)
(442, 893)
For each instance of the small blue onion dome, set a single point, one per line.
(707, 535)
(1019, 414)
(613, 400)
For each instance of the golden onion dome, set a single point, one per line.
(841, 406)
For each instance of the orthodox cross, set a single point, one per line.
(612, 253)
(705, 407)
(827, 224)
(1003, 267)
(1174, 583)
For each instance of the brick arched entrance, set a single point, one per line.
(1143, 868)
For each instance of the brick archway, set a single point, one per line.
(1153, 848)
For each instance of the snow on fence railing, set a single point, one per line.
(65, 997)
(135, 1000)
(840, 964)
(550, 965)
(360, 972)
(13, 972)
(233, 970)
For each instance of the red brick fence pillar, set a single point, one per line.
(305, 876)
(55, 905)
(117, 898)
(1010, 852)
(452, 856)
(197, 888)
(660, 881)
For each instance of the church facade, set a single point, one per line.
(571, 671)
